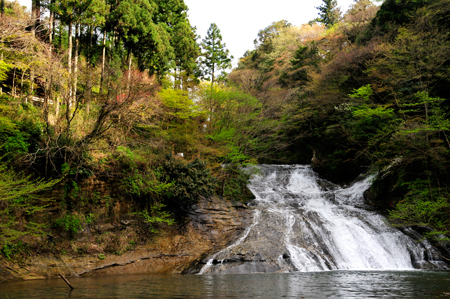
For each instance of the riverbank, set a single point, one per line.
(212, 224)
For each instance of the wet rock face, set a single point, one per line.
(214, 223)
(247, 258)
(303, 223)
(260, 252)
(219, 221)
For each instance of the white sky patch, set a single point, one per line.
(240, 20)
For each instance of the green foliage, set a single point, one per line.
(237, 126)
(179, 107)
(4, 67)
(191, 181)
(394, 13)
(139, 180)
(184, 43)
(90, 218)
(363, 93)
(20, 132)
(20, 199)
(10, 251)
(434, 115)
(140, 184)
(306, 59)
(89, 110)
(156, 215)
(329, 13)
(12, 140)
(234, 182)
(215, 54)
(385, 105)
(423, 205)
(370, 122)
(70, 223)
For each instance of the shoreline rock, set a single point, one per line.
(213, 223)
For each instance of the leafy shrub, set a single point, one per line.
(12, 140)
(423, 205)
(138, 183)
(19, 200)
(191, 180)
(20, 130)
(69, 223)
(234, 182)
(11, 250)
(156, 215)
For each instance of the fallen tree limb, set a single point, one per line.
(68, 283)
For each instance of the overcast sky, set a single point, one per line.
(240, 20)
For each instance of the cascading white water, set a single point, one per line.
(303, 223)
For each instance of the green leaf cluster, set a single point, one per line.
(70, 223)
(20, 199)
(190, 181)
(423, 205)
(156, 215)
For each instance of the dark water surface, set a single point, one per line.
(333, 284)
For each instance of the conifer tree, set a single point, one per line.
(215, 56)
(329, 13)
(186, 49)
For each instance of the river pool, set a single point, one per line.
(330, 284)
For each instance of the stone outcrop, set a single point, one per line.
(213, 224)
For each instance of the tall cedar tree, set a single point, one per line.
(329, 13)
(132, 20)
(215, 56)
(183, 36)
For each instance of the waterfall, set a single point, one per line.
(304, 223)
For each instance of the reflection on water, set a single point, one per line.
(333, 284)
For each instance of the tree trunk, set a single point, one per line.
(33, 16)
(13, 86)
(21, 85)
(130, 55)
(50, 29)
(37, 12)
(31, 80)
(60, 34)
(176, 80)
(48, 91)
(184, 81)
(69, 65)
(89, 96)
(103, 61)
(52, 22)
(56, 101)
(211, 101)
(75, 70)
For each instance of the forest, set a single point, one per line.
(124, 96)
